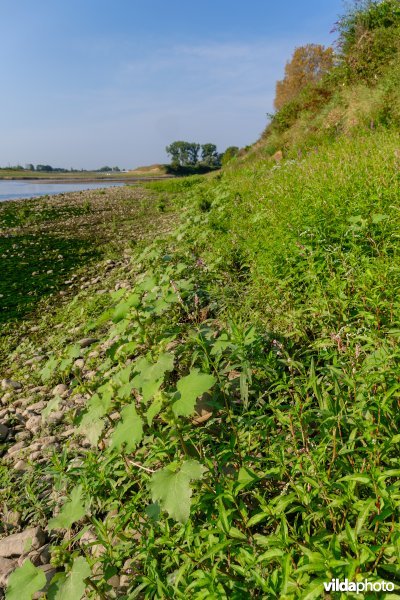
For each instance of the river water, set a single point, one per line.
(14, 190)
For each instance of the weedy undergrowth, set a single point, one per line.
(240, 436)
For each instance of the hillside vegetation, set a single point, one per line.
(222, 419)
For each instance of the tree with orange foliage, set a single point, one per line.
(308, 65)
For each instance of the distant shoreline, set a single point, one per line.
(87, 179)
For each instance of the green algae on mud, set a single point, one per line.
(43, 241)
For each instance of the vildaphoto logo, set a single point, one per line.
(336, 585)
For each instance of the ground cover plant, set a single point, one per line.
(43, 242)
(219, 439)
(222, 420)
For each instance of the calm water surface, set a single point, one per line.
(14, 190)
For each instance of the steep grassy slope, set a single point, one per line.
(275, 304)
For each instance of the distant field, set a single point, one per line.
(140, 172)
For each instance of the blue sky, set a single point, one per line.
(88, 83)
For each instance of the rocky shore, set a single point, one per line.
(36, 420)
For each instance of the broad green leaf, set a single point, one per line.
(378, 217)
(250, 336)
(122, 379)
(147, 284)
(92, 423)
(127, 349)
(151, 375)
(122, 376)
(73, 586)
(190, 388)
(153, 511)
(154, 408)
(314, 590)
(123, 308)
(246, 477)
(262, 540)
(172, 488)
(222, 343)
(51, 406)
(184, 284)
(257, 518)
(159, 306)
(49, 369)
(24, 582)
(129, 430)
(73, 510)
(72, 353)
(91, 427)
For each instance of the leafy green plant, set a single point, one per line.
(171, 487)
(25, 581)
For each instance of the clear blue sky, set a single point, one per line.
(88, 82)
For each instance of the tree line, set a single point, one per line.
(191, 157)
(368, 41)
(50, 169)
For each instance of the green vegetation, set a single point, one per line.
(49, 169)
(234, 429)
(360, 92)
(185, 159)
(44, 241)
(307, 67)
(229, 153)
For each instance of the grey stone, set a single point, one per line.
(16, 447)
(47, 440)
(10, 384)
(45, 555)
(6, 397)
(78, 400)
(42, 443)
(22, 543)
(37, 407)
(20, 466)
(85, 342)
(79, 363)
(23, 435)
(89, 540)
(22, 402)
(67, 433)
(34, 424)
(114, 581)
(55, 417)
(35, 359)
(6, 567)
(3, 432)
(60, 390)
(12, 518)
(126, 575)
(34, 456)
(90, 374)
